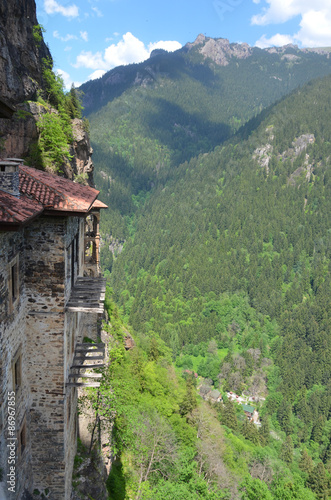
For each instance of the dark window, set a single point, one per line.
(17, 373)
(14, 280)
(72, 263)
(22, 439)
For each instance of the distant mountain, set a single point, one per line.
(148, 118)
(280, 69)
(220, 228)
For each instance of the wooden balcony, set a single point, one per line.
(87, 357)
(87, 295)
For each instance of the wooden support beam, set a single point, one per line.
(87, 295)
(87, 366)
(87, 350)
(83, 384)
(87, 358)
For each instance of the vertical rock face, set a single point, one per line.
(21, 75)
(20, 54)
(82, 152)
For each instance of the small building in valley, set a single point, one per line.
(249, 411)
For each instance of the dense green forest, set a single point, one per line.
(155, 115)
(170, 444)
(224, 279)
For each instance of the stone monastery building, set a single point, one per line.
(51, 298)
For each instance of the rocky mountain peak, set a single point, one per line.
(220, 50)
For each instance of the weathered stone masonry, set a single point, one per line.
(42, 250)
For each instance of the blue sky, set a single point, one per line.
(89, 37)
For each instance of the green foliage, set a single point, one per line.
(318, 481)
(37, 31)
(287, 450)
(226, 251)
(53, 143)
(254, 488)
(57, 109)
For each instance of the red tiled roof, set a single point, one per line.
(54, 192)
(99, 204)
(17, 210)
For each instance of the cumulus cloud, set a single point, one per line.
(67, 80)
(65, 77)
(170, 45)
(315, 29)
(128, 50)
(276, 40)
(96, 74)
(86, 59)
(315, 23)
(53, 7)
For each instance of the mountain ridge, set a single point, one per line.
(203, 50)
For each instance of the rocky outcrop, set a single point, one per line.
(220, 50)
(20, 54)
(81, 150)
(22, 50)
(20, 74)
(18, 134)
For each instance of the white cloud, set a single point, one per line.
(53, 7)
(67, 80)
(128, 50)
(315, 23)
(280, 11)
(276, 40)
(96, 74)
(86, 59)
(84, 35)
(315, 29)
(65, 77)
(97, 11)
(170, 46)
(66, 38)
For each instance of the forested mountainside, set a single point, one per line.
(227, 262)
(148, 118)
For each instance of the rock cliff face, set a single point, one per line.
(21, 75)
(20, 55)
(220, 50)
(82, 151)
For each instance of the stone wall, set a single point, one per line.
(13, 345)
(36, 327)
(45, 275)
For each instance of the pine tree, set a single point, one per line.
(284, 416)
(287, 449)
(317, 431)
(250, 431)
(189, 401)
(228, 415)
(265, 431)
(318, 482)
(306, 463)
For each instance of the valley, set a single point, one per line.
(215, 163)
